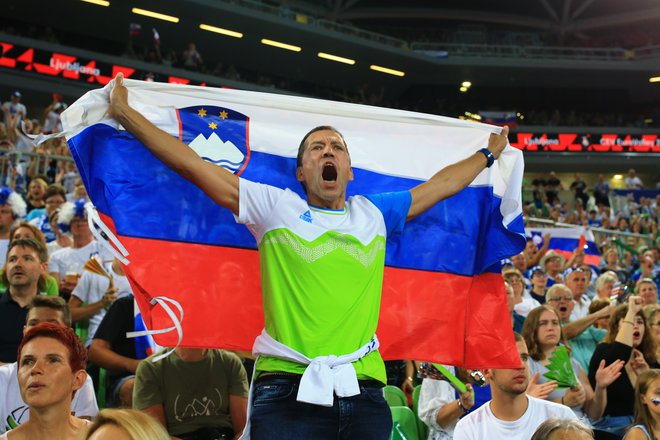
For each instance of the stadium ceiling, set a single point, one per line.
(560, 17)
(565, 18)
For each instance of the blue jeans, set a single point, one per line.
(276, 414)
(613, 424)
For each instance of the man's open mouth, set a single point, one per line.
(329, 173)
(563, 309)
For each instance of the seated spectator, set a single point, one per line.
(511, 414)
(581, 333)
(601, 323)
(66, 265)
(553, 263)
(517, 320)
(54, 197)
(13, 410)
(560, 429)
(543, 334)
(194, 393)
(576, 280)
(36, 205)
(12, 207)
(632, 180)
(647, 417)
(604, 284)
(646, 268)
(192, 59)
(648, 291)
(611, 256)
(520, 262)
(602, 191)
(629, 340)
(51, 369)
(523, 304)
(440, 406)
(25, 266)
(48, 286)
(95, 293)
(539, 280)
(125, 424)
(533, 254)
(652, 314)
(579, 188)
(112, 350)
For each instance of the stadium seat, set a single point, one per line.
(422, 429)
(404, 424)
(394, 396)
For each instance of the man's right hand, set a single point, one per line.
(118, 98)
(109, 297)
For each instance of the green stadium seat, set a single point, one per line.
(394, 396)
(422, 428)
(404, 424)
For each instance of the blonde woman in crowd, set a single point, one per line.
(125, 424)
(647, 407)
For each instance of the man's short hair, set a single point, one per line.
(301, 147)
(41, 251)
(53, 303)
(564, 425)
(55, 189)
(556, 287)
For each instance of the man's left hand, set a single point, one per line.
(497, 142)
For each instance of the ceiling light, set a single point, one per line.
(153, 14)
(654, 79)
(98, 2)
(466, 84)
(339, 59)
(387, 70)
(463, 89)
(281, 45)
(618, 177)
(222, 31)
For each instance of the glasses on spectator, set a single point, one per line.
(514, 280)
(559, 298)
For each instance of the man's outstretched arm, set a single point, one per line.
(218, 183)
(453, 178)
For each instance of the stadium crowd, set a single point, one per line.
(55, 271)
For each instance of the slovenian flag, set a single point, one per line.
(443, 298)
(565, 241)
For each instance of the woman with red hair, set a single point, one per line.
(51, 368)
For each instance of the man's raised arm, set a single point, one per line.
(218, 183)
(453, 178)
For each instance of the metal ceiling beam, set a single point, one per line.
(619, 19)
(549, 9)
(448, 14)
(580, 9)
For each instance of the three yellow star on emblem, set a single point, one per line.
(224, 115)
(213, 125)
(201, 112)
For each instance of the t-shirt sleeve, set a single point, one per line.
(82, 289)
(84, 402)
(111, 326)
(256, 202)
(238, 384)
(55, 263)
(147, 391)
(394, 206)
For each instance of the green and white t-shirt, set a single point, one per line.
(321, 271)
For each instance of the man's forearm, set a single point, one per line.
(575, 328)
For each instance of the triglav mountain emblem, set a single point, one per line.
(218, 135)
